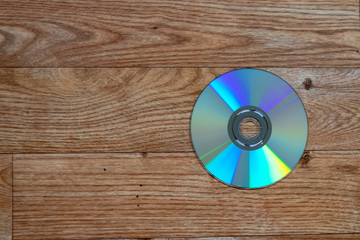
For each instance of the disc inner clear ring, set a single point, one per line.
(214, 144)
(234, 130)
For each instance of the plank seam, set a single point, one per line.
(12, 196)
(179, 152)
(183, 67)
(271, 235)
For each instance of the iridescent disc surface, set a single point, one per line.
(225, 158)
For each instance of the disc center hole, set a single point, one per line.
(249, 127)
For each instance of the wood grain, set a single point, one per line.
(134, 195)
(202, 33)
(149, 109)
(5, 196)
(284, 237)
(158, 56)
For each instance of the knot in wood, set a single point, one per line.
(308, 83)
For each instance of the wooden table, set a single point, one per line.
(95, 105)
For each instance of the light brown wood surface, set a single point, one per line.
(91, 196)
(149, 109)
(202, 33)
(5, 196)
(274, 237)
(95, 106)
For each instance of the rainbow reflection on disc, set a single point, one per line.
(221, 146)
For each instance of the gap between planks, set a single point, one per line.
(279, 237)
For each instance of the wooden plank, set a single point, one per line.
(134, 195)
(283, 237)
(148, 110)
(330, 96)
(202, 33)
(5, 197)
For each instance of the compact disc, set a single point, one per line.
(249, 128)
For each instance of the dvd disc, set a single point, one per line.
(249, 128)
